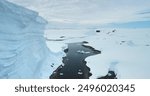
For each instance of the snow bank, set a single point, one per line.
(23, 51)
(125, 51)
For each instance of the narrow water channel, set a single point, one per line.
(74, 63)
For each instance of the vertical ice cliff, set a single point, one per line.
(23, 51)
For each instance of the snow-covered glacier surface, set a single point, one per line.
(23, 50)
(125, 51)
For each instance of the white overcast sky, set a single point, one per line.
(90, 11)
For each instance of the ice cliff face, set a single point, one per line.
(23, 52)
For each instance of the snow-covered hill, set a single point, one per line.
(23, 51)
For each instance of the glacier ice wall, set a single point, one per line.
(23, 51)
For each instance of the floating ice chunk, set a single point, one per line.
(109, 74)
(80, 72)
(82, 52)
(61, 74)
